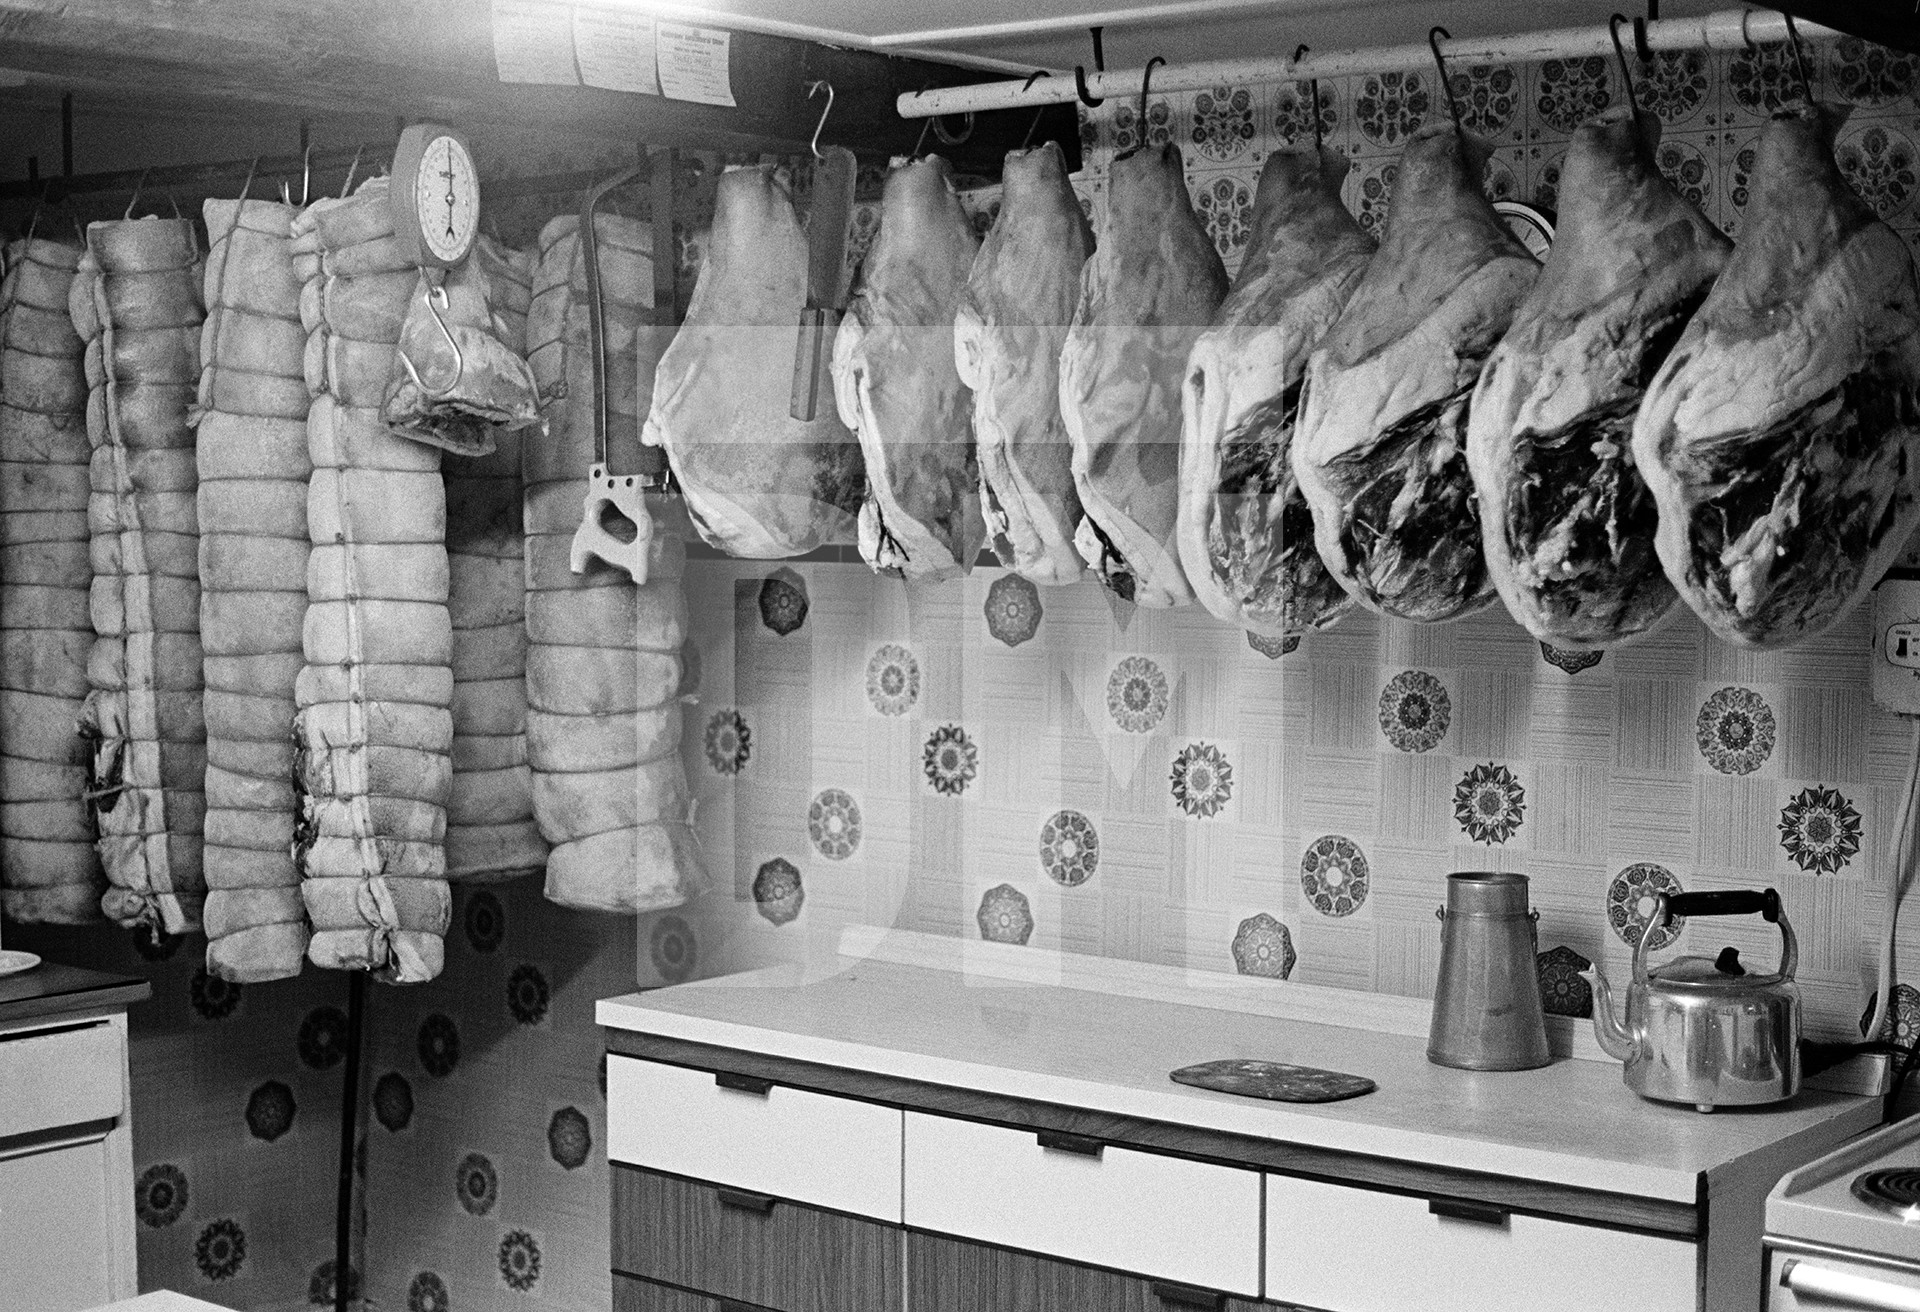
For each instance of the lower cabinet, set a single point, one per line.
(751, 1248)
(948, 1275)
(630, 1295)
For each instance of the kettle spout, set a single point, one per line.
(1614, 1038)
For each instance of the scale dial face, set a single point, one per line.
(446, 194)
(1534, 227)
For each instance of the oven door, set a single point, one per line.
(1809, 1279)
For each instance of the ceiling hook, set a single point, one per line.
(813, 89)
(135, 198)
(1799, 59)
(1087, 98)
(1620, 53)
(1313, 97)
(347, 186)
(943, 136)
(1434, 38)
(1038, 114)
(1746, 37)
(1640, 45)
(1146, 81)
(306, 175)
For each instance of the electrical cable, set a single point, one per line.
(349, 1108)
(1899, 874)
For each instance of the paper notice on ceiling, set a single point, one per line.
(614, 50)
(693, 64)
(533, 42)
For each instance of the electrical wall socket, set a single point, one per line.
(1896, 645)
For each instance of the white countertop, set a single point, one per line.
(161, 1301)
(1107, 1040)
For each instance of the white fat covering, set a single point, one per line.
(18, 526)
(649, 868)
(599, 680)
(589, 744)
(45, 565)
(487, 591)
(27, 780)
(491, 797)
(247, 718)
(248, 793)
(371, 729)
(1781, 438)
(379, 572)
(245, 673)
(482, 752)
(261, 831)
(136, 300)
(259, 507)
(252, 624)
(64, 820)
(1380, 447)
(490, 708)
(257, 760)
(757, 482)
(242, 447)
(243, 563)
(52, 662)
(1246, 533)
(572, 807)
(1152, 284)
(27, 606)
(897, 387)
(499, 652)
(651, 617)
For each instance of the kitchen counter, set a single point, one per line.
(49, 990)
(1105, 1044)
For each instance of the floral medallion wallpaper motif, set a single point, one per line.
(1488, 96)
(1202, 780)
(1415, 711)
(439, 1045)
(1571, 91)
(833, 824)
(950, 760)
(1674, 85)
(1562, 991)
(427, 1292)
(528, 994)
(1390, 106)
(1333, 874)
(221, 1250)
(1225, 205)
(485, 921)
(1069, 848)
(1763, 78)
(777, 891)
(569, 1138)
(1630, 904)
(476, 1184)
(1489, 803)
(783, 602)
(1571, 661)
(1263, 946)
(519, 1260)
(1735, 731)
(1863, 73)
(1222, 123)
(893, 680)
(1128, 130)
(322, 1037)
(270, 1111)
(160, 1195)
(1137, 695)
(1013, 609)
(1274, 648)
(672, 948)
(729, 742)
(1878, 162)
(1293, 119)
(1820, 830)
(1005, 915)
(1687, 169)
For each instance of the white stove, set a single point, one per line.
(1843, 1232)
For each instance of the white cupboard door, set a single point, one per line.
(55, 1226)
(63, 1077)
(1194, 1223)
(1361, 1250)
(749, 1135)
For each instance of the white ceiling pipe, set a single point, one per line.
(1728, 30)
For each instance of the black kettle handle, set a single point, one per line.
(1744, 903)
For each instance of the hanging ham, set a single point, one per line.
(1781, 438)
(1008, 330)
(137, 302)
(1380, 449)
(491, 833)
(1566, 519)
(49, 867)
(373, 736)
(250, 443)
(756, 481)
(897, 386)
(1246, 534)
(1149, 291)
(610, 791)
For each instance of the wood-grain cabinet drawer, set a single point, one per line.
(1362, 1250)
(60, 1078)
(950, 1275)
(1164, 1217)
(750, 1248)
(808, 1147)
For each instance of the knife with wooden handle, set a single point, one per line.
(827, 225)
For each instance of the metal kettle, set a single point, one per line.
(1705, 1030)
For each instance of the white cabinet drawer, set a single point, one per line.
(1360, 1250)
(1190, 1222)
(807, 1147)
(66, 1077)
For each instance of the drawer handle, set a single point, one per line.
(1847, 1290)
(1187, 1296)
(743, 1083)
(1080, 1145)
(742, 1201)
(1455, 1209)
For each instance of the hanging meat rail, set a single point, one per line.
(1727, 30)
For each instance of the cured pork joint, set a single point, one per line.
(1381, 445)
(1007, 334)
(251, 447)
(1151, 288)
(897, 386)
(1566, 519)
(137, 302)
(49, 867)
(491, 834)
(757, 482)
(1781, 438)
(1246, 533)
(610, 791)
(373, 736)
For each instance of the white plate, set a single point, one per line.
(13, 962)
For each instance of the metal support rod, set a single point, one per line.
(1726, 30)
